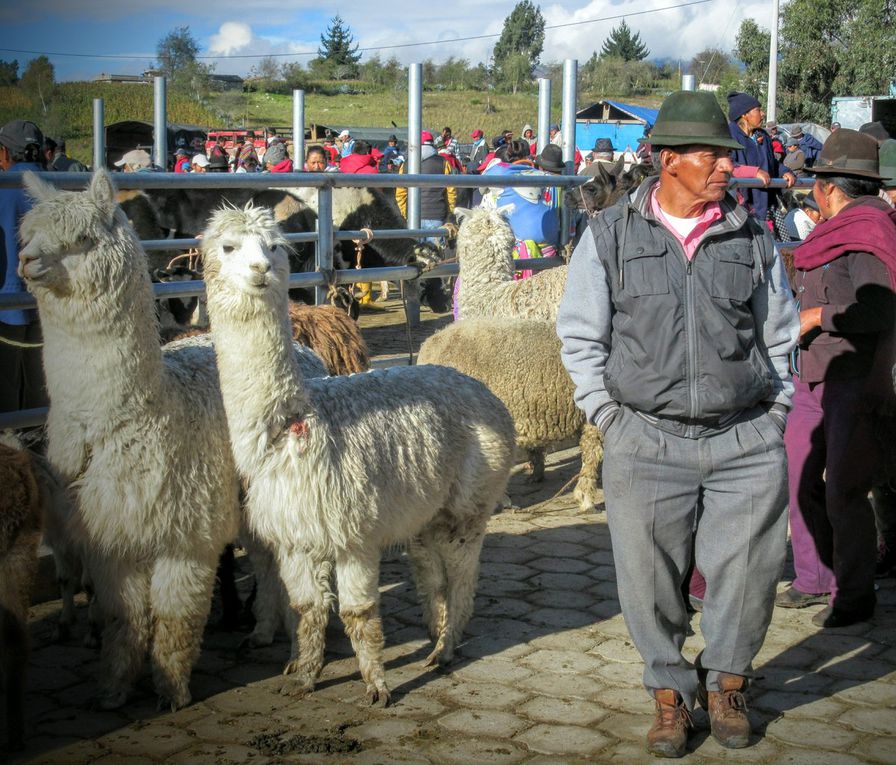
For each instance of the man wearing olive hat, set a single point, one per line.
(676, 325)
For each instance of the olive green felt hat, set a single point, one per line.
(691, 117)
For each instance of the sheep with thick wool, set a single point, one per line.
(138, 434)
(486, 287)
(519, 361)
(342, 467)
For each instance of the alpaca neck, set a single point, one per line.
(102, 355)
(261, 383)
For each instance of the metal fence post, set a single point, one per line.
(160, 123)
(298, 130)
(415, 127)
(568, 125)
(323, 256)
(544, 113)
(99, 134)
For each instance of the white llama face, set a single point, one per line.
(253, 264)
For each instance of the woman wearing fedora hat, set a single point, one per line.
(846, 287)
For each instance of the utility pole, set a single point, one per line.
(771, 110)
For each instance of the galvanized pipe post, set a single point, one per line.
(544, 113)
(323, 256)
(99, 134)
(415, 127)
(772, 110)
(160, 123)
(298, 130)
(689, 82)
(568, 126)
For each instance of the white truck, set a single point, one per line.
(855, 111)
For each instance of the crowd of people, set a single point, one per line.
(734, 400)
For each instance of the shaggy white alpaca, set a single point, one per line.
(342, 467)
(138, 434)
(487, 287)
(519, 361)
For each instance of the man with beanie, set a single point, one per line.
(676, 325)
(755, 156)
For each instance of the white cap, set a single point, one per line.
(200, 160)
(344, 134)
(135, 158)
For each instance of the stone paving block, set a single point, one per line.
(559, 618)
(605, 591)
(601, 558)
(625, 699)
(566, 759)
(492, 670)
(874, 693)
(580, 640)
(628, 675)
(78, 723)
(511, 608)
(55, 752)
(605, 573)
(798, 705)
(484, 696)
(633, 724)
(563, 662)
(415, 706)
(792, 680)
(567, 686)
(560, 565)
(152, 740)
(814, 757)
(545, 709)
(880, 749)
(564, 739)
(499, 588)
(382, 730)
(493, 556)
(506, 571)
(871, 720)
(496, 644)
(556, 548)
(218, 755)
(51, 679)
(471, 722)
(802, 732)
(561, 598)
(855, 669)
(606, 609)
(793, 656)
(561, 582)
(507, 628)
(618, 650)
(612, 626)
(120, 759)
(706, 749)
(464, 751)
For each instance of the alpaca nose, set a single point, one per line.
(260, 266)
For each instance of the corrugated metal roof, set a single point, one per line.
(643, 114)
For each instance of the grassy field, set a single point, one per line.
(70, 112)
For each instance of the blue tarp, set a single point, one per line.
(643, 113)
(624, 131)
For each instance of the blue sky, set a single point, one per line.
(132, 28)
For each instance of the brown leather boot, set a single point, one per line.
(668, 736)
(727, 711)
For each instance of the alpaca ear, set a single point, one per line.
(462, 212)
(37, 188)
(102, 191)
(619, 166)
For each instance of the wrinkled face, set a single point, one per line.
(316, 163)
(701, 172)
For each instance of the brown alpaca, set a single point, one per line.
(20, 529)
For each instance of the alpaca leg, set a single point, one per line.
(459, 547)
(230, 599)
(535, 468)
(66, 563)
(122, 589)
(94, 634)
(428, 571)
(592, 447)
(358, 582)
(181, 600)
(17, 570)
(307, 583)
(267, 608)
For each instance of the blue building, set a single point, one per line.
(622, 123)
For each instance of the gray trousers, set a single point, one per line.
(654, 483)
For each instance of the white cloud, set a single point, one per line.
(231, 38)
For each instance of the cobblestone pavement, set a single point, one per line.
(547, 675)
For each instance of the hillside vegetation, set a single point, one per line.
(70, 110)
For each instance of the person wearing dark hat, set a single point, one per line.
(876, 130)
(21, 369)
(887, 158)
(276, 158)
(435, 204)
(676, 326)
(795, 161)
(551, 159)
(845, 279)
(389, 154)
(182, 160)
(809, 144)
(755, 154)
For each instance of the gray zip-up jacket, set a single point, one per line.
(688, 345)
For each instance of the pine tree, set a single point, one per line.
(623, 44)
(521, 38)
(337, 51)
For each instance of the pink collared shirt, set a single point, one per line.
(711, 213)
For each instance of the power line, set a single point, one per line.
(362, 50)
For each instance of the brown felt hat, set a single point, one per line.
(848, 152)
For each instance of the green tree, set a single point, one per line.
(295, 76)
(267, 73)
(522, 36)
(338, 50)
(711, 65)
(9, 72)
(622, 43)
(38, 81)
(177, 51)
(751, 48)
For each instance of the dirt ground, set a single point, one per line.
(385, 329)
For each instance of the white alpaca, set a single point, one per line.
(340, 468)
(487, 287)
(138, 434)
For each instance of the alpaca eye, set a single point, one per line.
(274, 247)
(228, 249)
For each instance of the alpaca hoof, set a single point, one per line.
(440, 657)
(111, 700)
(254, 640)
(174, 702)
(297, 686)
(379, 697)
(587, 497)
